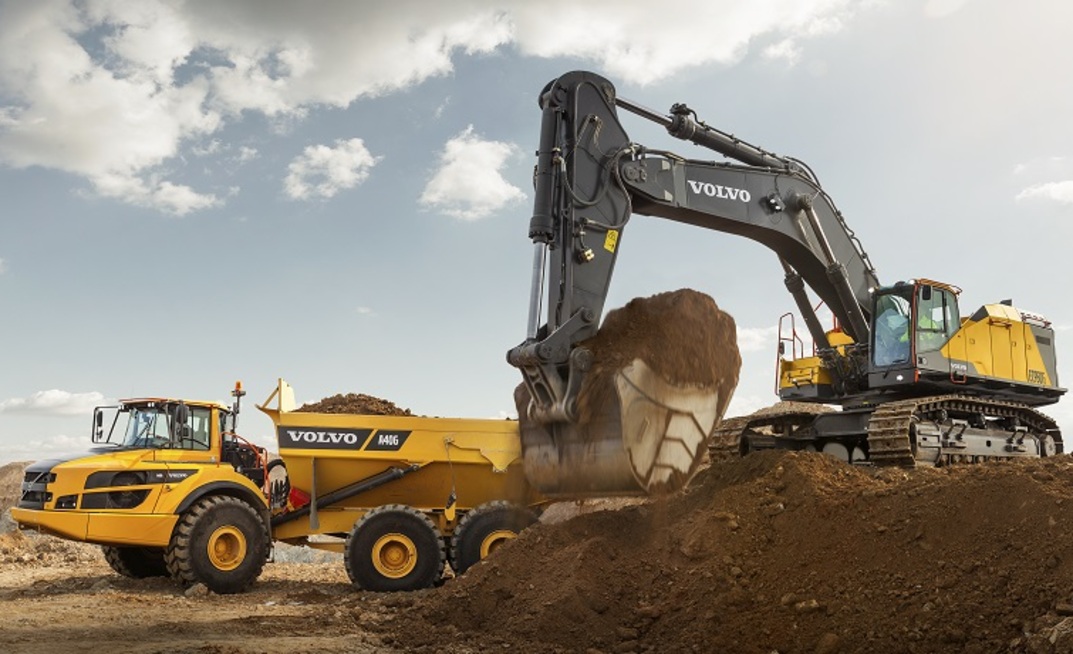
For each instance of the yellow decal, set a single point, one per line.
(1037, 377)
(611, 240)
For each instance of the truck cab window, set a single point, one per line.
(197, 432)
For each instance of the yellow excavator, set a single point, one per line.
(918, 380)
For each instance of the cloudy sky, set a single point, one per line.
(338, 193)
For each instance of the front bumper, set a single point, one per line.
(141, 530)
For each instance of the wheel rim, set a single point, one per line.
(394, 555)
(494, 540)
(226, 547)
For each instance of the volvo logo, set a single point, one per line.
(719, 191)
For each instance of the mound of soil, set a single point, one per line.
(682, 335)
(726, 437)
(10, 484)
(355, 403)
(783, 552)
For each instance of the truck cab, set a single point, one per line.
(157, 470)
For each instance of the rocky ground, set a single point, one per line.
(775, 552)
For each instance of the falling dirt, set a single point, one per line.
(682, 335)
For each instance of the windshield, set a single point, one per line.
(154, 427)
(891, 334)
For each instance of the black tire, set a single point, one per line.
(394, 548)
(221, 542)
(136, 562)
(484, 528)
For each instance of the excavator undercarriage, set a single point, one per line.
(930, 431)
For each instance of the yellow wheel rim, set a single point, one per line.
(494, 540)
(394, 555)
(226, 547)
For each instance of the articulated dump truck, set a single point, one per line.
(171, 490)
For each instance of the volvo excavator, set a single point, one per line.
(918, 381)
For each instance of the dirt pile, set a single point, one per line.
(682, 335)
(784, 552)
(355, 403)
(726, 437)
(10, 489)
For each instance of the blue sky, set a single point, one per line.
(338, 193)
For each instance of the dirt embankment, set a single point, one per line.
(785, 552)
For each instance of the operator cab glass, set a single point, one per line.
(890, 338)
(908, 316)
(937, 317)
(156, 427)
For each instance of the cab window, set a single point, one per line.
(937, 317)
(890, 339)
(196, 434)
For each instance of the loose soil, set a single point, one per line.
(355, 403)
(682, 335)
(774, 552)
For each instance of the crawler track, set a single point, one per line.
(890, 438)
(890, 429)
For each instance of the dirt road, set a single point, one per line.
(80, 605)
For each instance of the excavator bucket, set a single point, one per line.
(642, 436)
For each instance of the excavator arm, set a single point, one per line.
(589, 180)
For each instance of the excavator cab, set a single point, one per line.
(911, 326)
(910, 319)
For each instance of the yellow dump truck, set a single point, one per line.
(170, 488)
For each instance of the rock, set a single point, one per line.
(828, 644)
(197, 590)
(100, 586)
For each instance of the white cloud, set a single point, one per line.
(3, 267)
(42, 448)
(756, 339)
(468, 184)
(743, 405)
(114, 91)
(246, 153)
(943, 8)
(631, 43)
(54, 402)
(1056, 191)
(322, 171)
(366, 311)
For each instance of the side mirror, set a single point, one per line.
(181, 414)
(98, 425)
